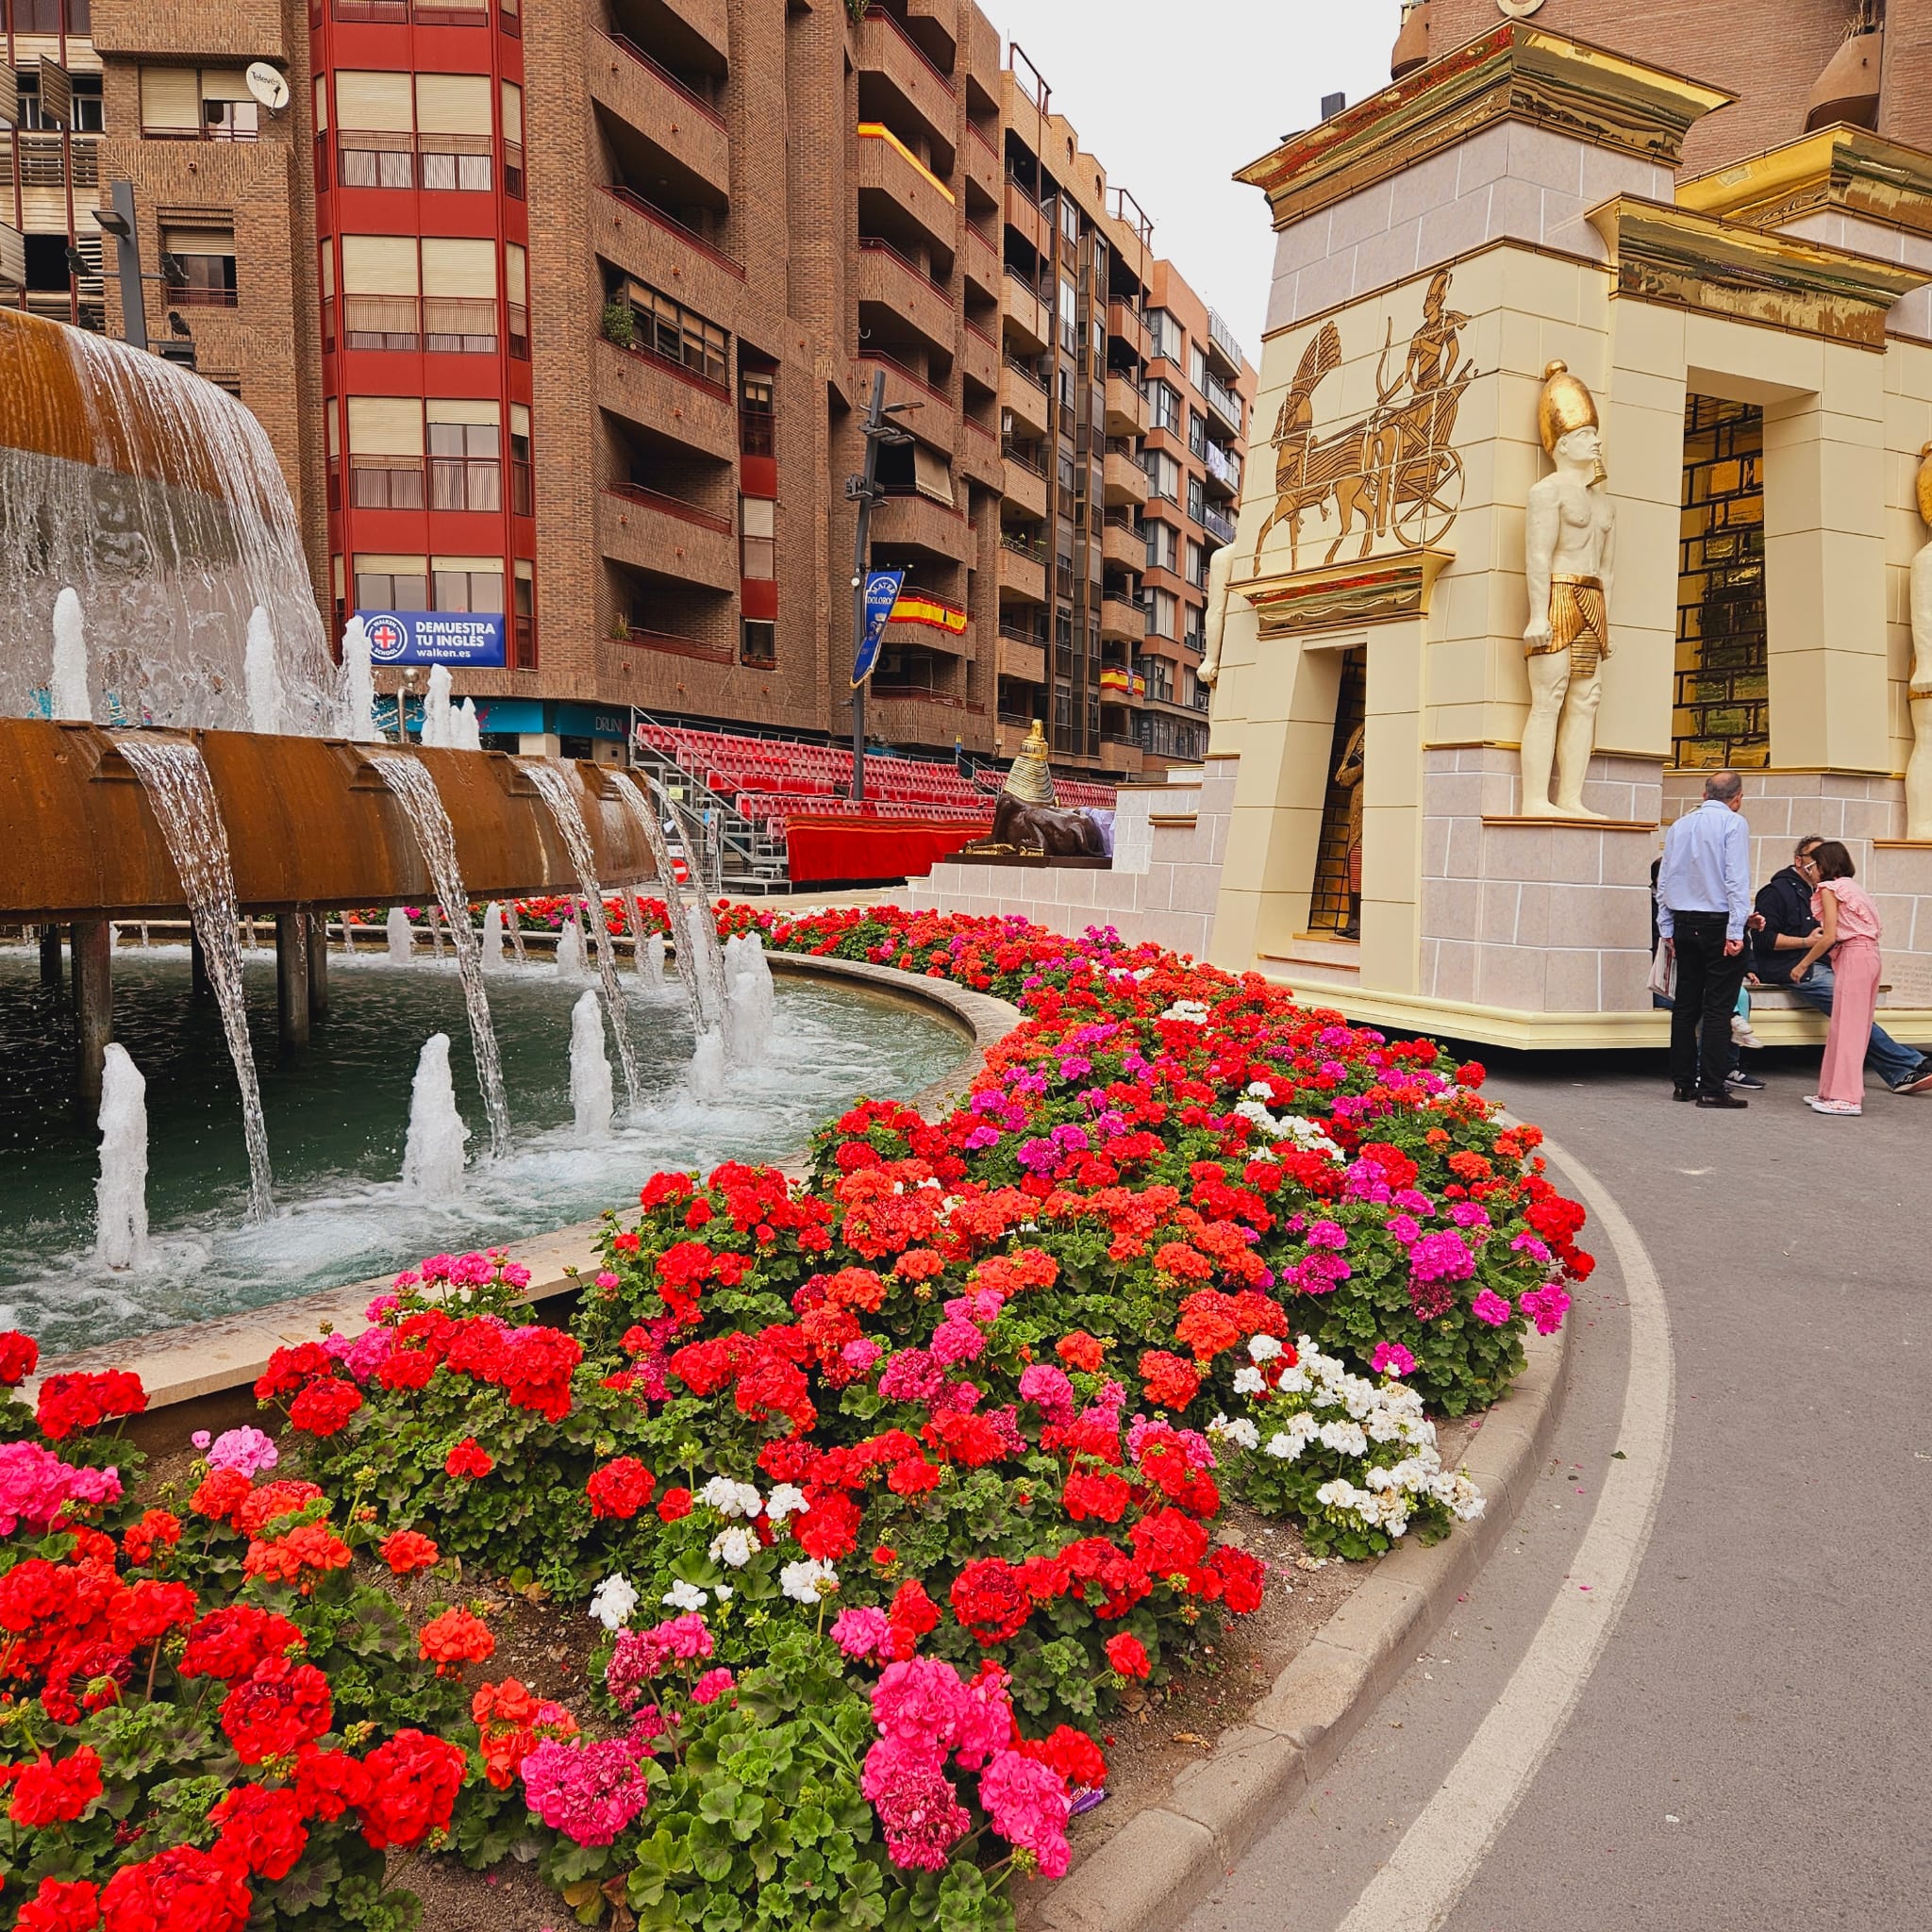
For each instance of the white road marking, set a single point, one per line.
(1445, 1846)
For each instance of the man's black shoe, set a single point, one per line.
(1721, 1100)
(1683, 1093)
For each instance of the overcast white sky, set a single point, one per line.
(1170, 97)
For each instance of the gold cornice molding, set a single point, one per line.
(1347, 596)
(1515, 72)
(1661, 252)
(1838, 170)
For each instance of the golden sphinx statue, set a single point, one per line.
(1029, 820)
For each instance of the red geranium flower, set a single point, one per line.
(278, 1707)
(325, 1407)
(413, 1781)
(410, 1549)
(1080, 1350)
(181, 1889)
(20, 1356)
(61, 1904)
(673, 1504)
(54, 1791)
(991, 1599)
(229, 1643)
(456, 1638)
(469, 1459)
(620, 1489)
(261, 1830)
(1128, 1656)
(78, 1403)
(328, 1783)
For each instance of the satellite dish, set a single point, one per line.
(1518, 10)
(268, 85)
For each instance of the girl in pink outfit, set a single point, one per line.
(1849, 931)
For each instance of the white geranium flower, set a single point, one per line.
(1283, 1447)
(1242, 1433)
(1263, 1348)
(612, 1601)
(787, 1499)
(734, 1547)
(806, 1582)
(1248, 1382)
(729, 1497)
(684, 1596)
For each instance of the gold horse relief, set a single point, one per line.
(1394, 472)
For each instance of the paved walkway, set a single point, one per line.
(1747, 1746)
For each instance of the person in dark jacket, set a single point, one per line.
(1784, 907)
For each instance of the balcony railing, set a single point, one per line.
(1027, 372)
(671, 225)
(1017, 454)
(1224, 338)
(1036, 640)
(899, 369)
(675, 642)
(877, 245)
(624, 45)
(1227, 467)
(1224, 403)
(919, 53)
(185, 295)
(1217, 525)
(439, 324)
(681, 508)
(458, 163)
(455, 483)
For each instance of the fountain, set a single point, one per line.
(175, 778)
(563, 801)
(494, 960)
(356, 704)
(590, 1069)
(262, 676)
(645, 819)
(433, 1155)
(121, 1223)
(435, 710)
(402, 940)
(653, 961)
(751, 1000)
(67, 690)
(466, 728)
(416, 790)
(701, 924)
(706, 1078)
(571, 963)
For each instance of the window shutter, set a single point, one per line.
(453, 102)
(930, 476)
(198, 240)
(516, 273)
(385, 426)
(458, 267)
(518, 420)
(373, 103)
(225, 84)
(171, 100)
(458, 410)
(321, 104)
(512, 112)
(487, 565)
(378, 563)
(328, 272)
(381, 264)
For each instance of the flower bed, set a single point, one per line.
(879, 1487)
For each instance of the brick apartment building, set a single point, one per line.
(573, 314)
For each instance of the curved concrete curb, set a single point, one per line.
(214, 1364)
(1171, 1857)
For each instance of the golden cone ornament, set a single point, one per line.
(1031, 778)
(1566, 404)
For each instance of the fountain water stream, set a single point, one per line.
(67, 690)
(590, 1069)
(402, 941)
(435, 710)
(356, 699)
(262, 676)
(700, 921)
(415, 790)
(646, 821)
(121, 1224)
(175, 779)
(465, 727)
(492, 938)
(571, 962)
(654, 960)
(563, 801)
(752, 1002)
(433, 1155)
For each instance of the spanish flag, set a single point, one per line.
(917, 607)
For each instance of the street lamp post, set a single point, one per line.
(864, 491)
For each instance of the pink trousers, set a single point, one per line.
(1854, 966)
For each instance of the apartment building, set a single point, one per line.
(567, 318)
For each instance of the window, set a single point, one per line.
(516, 288)
(454, 137)
(382, 284)
(465, 461)
(758, 526)
(512, 139)
(1198, 434)
(199, 265)
(522, 653)
(1164, 407)
(392, 583)
(1163, 475)
(1070, 318)
(196, 103)
(1161, 546)
(521, 479)
(460, 295)
(755, 413)
(1197, 368)
(88, 114)
(1164, 335)
(1197, 564)
(375, 121)
(1162, 607)
(757, 642)
(426, 130)
(385, 451)
(660, 326)
(1196, 500)
(468, 583)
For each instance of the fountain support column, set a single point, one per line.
(318, 965)
(93, 1000)
(292, 977)
(51, 972)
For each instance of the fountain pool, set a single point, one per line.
(338, 1113)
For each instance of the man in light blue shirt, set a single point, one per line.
(1703, 900)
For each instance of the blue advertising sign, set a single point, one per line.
(881, 594)
(462, 639)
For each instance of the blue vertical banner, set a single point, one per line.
(881, 594)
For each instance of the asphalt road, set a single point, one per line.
(1750, 1748)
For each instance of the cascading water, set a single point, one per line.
(415, 790)
(355, 698)
(646, 821)
(402, 941)
(67, 690)
(752, 1000)
(121, 1223)
(706, 1075)
(493, 939)
(433, 1154)
(174, 524)
(590, 1069)
(516, 936)
(263, 674)
(556, 793)
(175, 779)
(700, 921)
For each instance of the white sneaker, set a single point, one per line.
(1848, 1109)
(1741, 1033)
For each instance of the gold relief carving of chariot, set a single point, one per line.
(1394, 471)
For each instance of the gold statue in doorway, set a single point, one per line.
(1349, 775)
(1395, 470)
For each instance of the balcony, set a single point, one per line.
(906, 714)
(437, 324)
(932, 421)
(648, 97)
(981, 159)
(887, 167)
(981, 260)
(1125, 323)
(1121, 544)
(662, 535)
(979, 357)
(1023, 572)
(1224, 471)
(1026, 483)
(1127, 407)
(1024, 217)
(1023, 657)
(1026, 322)
(707, 21)
(1120, 618)
(667, 398)
(888, 51)
(1222, 347)
(897, 283)
(1119, 754)
(1123, 480)
(1022, 394)
(1217, 525)
(1225, 404)
(657, 248)
(917, 522)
